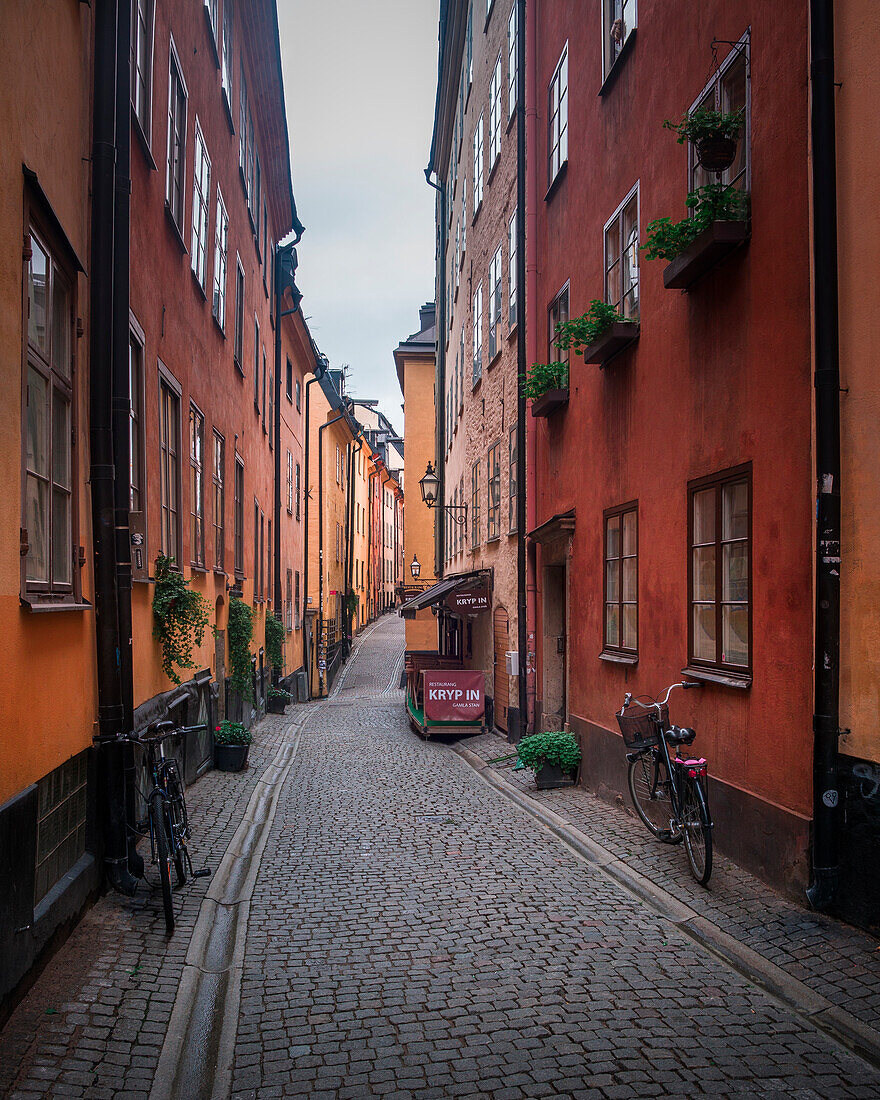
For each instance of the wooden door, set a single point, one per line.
(502, 680)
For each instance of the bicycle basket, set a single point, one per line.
(639, 727)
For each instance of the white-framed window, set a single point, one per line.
(290, 483)
(557, 315)
(196, 486)
(212, 7)
(493, 482)
(457, 265)
(512, 62)
(618, 23)
(469, 45)
(477, 322)
(495, 114)
(142, 15)
(495, 304)
(201, 196)
(558, 116)
(464, 216)
(221, 249)
(729, 90)
(243, 113)
(478, 164)
(512, 299)
(226, 58)
(176, 151)
(238, 343)
(622, 256)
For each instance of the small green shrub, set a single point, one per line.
(180, 618)
(713, 203)
(231, 733)
(704, 123)
(240, 630)
(554, 747)
(580, 332)
(541, 377)
(274, 642)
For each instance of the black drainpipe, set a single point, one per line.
(111, 708)
(307, 649)
(521, 420)
(326, 424)
(826, 716)
(440, 403)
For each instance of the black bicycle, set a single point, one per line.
(166, 823)
(669, 793)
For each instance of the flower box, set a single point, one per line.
(613, 341)
(549, 402)
(713, 245)
(549, 777)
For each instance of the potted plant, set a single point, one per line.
(599, 334)
(554, 757)
(231, 743)
(714, 135)
(277, 699)
(547, 386)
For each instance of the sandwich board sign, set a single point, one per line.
(453, 695)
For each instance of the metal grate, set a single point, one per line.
(61, 823)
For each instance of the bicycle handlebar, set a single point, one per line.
(628, 698)
(162, 732)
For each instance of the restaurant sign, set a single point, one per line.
(453, 696)
(469, 601)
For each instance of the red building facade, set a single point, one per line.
(671, 497)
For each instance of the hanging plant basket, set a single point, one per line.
(716, 153)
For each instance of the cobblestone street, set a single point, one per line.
(411, 932)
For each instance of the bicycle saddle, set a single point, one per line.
(680, 735)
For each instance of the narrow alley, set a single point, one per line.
(409, 932)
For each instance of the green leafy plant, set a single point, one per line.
(231, 733)
(180, 617)
(579, 333)
(541, 377)
(706, 122)
(274, 641)
(713, 203)
(279, 693)
(240, 630)
(554, 747)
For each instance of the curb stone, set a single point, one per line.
(812, 1007)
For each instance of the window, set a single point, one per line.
(288, 602)
(720, 552)
(238, 345)
(238, 490)
(618, 23)
(338, 465)
(621, 579)
(495, 114)
(176, 153)
(264, 389)
(271, 401)
(512, 481)
(469, 46)
(261, 559)
(477, 321)
(493, 481)
(511, 273)
(212, 9)
(221, 238)
(48, 451)
(201, 194)
(290, 483)
(169, 467)
(478, 164)
(257, 555)
(296, 491)
(62, 800)
(196, 485)
(558, 314)
(296, 602)
(243, 113)
(460, 528)
(461, 357)
(464, 193)
(142, 63)
(269, 585)
(135, 423)
(298, 391)
(727, 91)
(219, 499)
(226, 59)
(289, 378)
(256, 364)
(495, 304)
(558, 114)
(512, 62)
(622, 257)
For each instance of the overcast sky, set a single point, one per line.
(360, 78)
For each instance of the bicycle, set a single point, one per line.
(166, 823)
(669, 794)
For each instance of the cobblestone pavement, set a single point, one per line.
(833, 959)
(414, 934)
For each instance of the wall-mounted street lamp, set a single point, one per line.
(430, 486)
(415, 567)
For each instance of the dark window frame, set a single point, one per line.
(171, 200)
(630, 508)
(197, 485)
(238, 517)
(218, 477)
(168, 385)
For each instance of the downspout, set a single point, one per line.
(826, 716)
(321, 429)
(111, 707)
(356, 448)
(523, 465)
(280, 314)
(440, 375)
(307, 648)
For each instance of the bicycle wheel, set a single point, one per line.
(697, 830)
(178, 821)
(159, 826)
(649, 791)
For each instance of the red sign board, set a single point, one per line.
(453, 696)
(469, 601)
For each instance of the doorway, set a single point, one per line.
(500, 677)
(555, 648)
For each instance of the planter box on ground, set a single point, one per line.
(619, 336)
(713, 245)
(549, 402)
(550, 776)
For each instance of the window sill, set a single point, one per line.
(494, 168)
(512, 118)
(477, 213)
(220, 573)
(238, 366)
(512, 331)
(220, 328)
(557, 180)
(201, 289)
(625, 51)
(619, 658)
(175, 229)
(143, 141)
(224, 95)
(212, 35)
(493, 538)
(488, 16)
(194, 567)
(494, 359)
(739, 680)
(38, 604)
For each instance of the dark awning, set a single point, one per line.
(430, 596)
